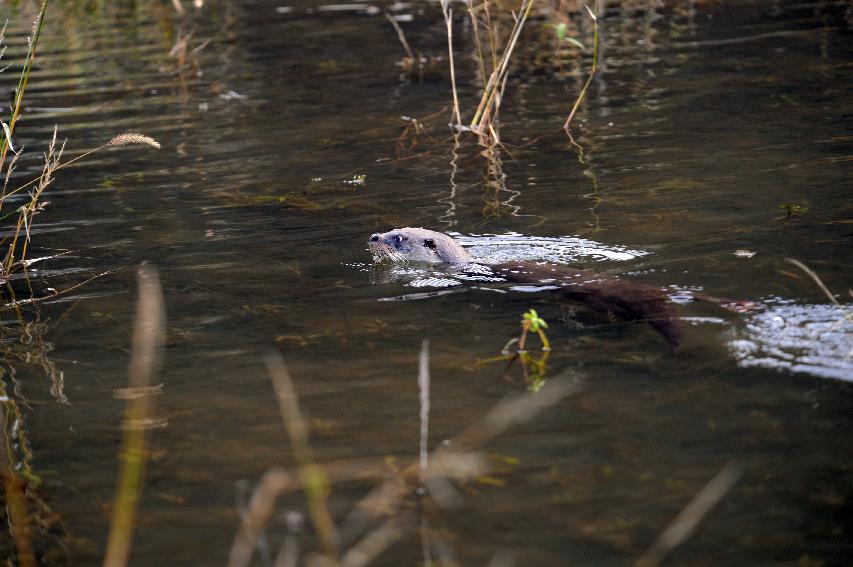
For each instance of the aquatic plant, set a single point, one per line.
(403, 495)
(36, 532)
(533, 369)
(16, 247)
(17, 259)
(487, 111)
(793, 209)
(532, 323)
(493, 61)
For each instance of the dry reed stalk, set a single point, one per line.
(683, 526)
(401, 36)
(126, 139)
(475, 26)
(278, 481)
(458, 459)
(52, 164)
(312, 476)
(423, 387)
(387, 500)
(35, 300)
(815, 278)
(9, 170)
(497, 81)
(512, 412)
(28, 211)
(147, 344)
(502, 559)
(447, 11)
(592, 71)
(376, 542)
(260, 509)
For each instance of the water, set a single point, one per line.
(284, 148)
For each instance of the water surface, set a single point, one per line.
(288, 140)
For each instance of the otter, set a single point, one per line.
(613, 297)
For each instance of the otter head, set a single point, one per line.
(417, 245)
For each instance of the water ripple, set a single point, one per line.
(511, 246)
(812, 339)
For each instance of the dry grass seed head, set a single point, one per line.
(130, 138)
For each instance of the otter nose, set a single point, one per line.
(374, 237)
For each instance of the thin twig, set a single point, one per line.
(498, 76)
(400, 35)
(592, 71)
(34, 300)
(373, 544)
(815, 277)
(423, 386)
(260, 509)
(312, 476)
(120, 140)
(448, 20)
(475, 26)
(682, 527)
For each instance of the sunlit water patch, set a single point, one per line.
(813, 339)
(512, 247)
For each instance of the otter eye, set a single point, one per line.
(398, 239)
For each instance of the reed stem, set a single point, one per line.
(592, 71)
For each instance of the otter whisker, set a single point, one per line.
(399, 258)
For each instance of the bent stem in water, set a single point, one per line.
(27, 212)
(126, 139)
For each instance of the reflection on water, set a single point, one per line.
(291, 133)
(812, 339)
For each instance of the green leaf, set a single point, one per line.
(575, 42)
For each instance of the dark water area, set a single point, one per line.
(288, 139)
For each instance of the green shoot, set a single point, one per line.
(792, 209)
(534, 369)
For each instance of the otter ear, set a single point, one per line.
(429, 243)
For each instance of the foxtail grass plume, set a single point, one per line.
(130, 138)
